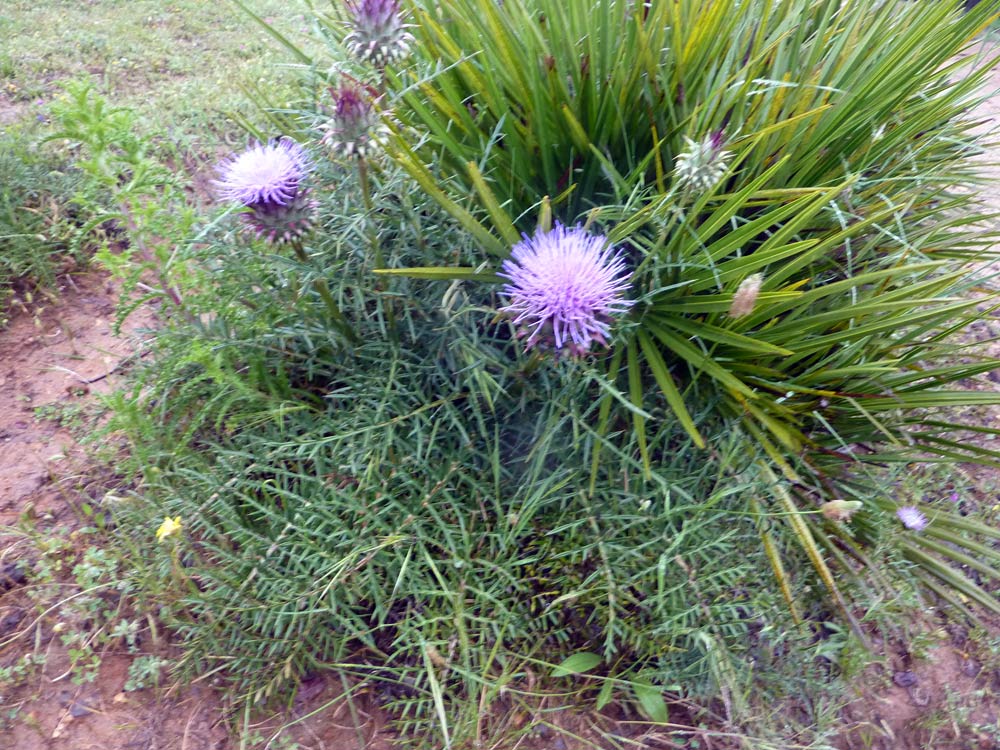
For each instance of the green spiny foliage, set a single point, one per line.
(424, 493)
(438, 509)
(812, 156)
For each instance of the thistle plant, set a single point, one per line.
(565, 286)
(268, 180)
(377, 33)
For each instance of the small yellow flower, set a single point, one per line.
(169, 527)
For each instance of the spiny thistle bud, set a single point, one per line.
(355, 129)
(565, 287)
(746, 296)
(701, 165)
(267, 180)
(378, 35)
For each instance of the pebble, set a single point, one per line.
(905, 679)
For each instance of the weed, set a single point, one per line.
(144, 195)
(82, 600)
(145, 672)
(73, 416)
(144, 54)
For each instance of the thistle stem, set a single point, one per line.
(324, 292)
(376, 246)
(366, 193)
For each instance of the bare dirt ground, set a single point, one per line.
(56, 358)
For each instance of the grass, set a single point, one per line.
(39, 226)
(177, 64)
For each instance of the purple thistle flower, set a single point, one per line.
(264, 174)
(267, 180)
(378, 35)
(912, 518)
(565, 286)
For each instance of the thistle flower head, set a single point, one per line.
(701, 164)
(267, 180)
(266, 173)
(912, 518)
(840, 510)
(355, 129)
(378, 35)
(565, 287)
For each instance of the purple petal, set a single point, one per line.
(566, 283)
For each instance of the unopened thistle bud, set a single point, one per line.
(267, 179)
(355, 130)
(378, 35)
(746, 296)
(701, 164)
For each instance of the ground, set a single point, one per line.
(58, 357)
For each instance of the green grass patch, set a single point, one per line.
(178, 64)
